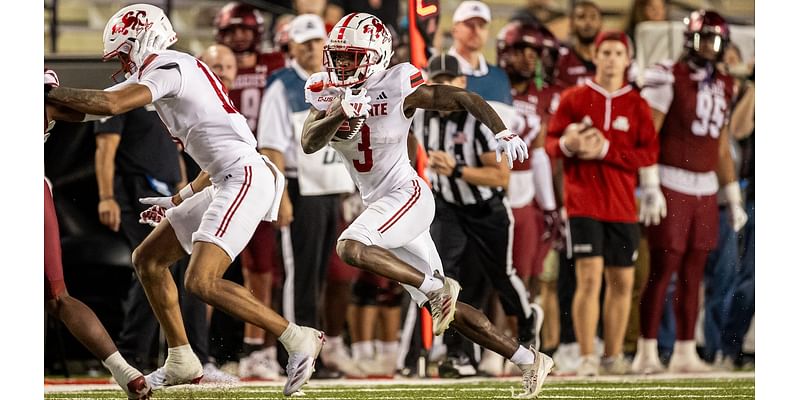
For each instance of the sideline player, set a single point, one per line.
(213, 217)
(79, 319)
(391, 237)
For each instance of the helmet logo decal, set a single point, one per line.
(132, 20)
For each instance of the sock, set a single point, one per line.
(522, 356)
(363, 350)
(388, 347)
(120, 370)
(290, 336)
(430, 284)
(180, 354)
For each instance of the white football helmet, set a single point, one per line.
(358, 46)
(127, 26)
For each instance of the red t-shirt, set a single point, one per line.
(248, 88)
(693, 118)
(604, 189)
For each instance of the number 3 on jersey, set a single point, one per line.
(364, 147)
(710, 114)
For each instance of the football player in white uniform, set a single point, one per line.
(212, 218)
(365, 111)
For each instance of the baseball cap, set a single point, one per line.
(443, 65)
(613, 35)
(470, 9)
(305, 27)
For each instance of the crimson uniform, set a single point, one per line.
(603, 190)
(571, 69)
(696, 107)
(537, 105)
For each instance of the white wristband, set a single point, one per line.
(502, 134)
(733, 195)
(648, 176)
(186, 192)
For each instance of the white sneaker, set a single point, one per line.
(258, 365)
(533, 375)
(443, 304)
(212, 374)
(338, 359)
(492, 364)
(567, 357)
(646, 360)
(616, 365)
(176, 374)
(685, 359)
(302, 359)
(383, 365)
(589, 366)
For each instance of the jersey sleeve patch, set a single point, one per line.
(416, 79)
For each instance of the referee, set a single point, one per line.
(473, 225)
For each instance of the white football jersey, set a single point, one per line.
(377, 156)
(192, 103)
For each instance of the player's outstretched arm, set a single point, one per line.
(320, 126)
(101, 102)
(451, 98)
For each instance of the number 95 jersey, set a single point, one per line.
(377, 156)
(696, 107)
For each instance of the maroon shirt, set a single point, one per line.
(537, 106)
(696, 108)
(572, 70)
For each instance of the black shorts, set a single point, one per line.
(617, 242)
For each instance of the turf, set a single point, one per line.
(625, 388)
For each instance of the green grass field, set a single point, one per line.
(738, 386)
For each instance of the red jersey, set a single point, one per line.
(604, 189)
(694, 118)
(572, 70)
(537, 106)
(248, 88)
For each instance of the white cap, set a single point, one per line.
(471, 9)
(305, 27)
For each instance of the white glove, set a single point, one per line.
(737, 215)
(512, 145)
(356, 105)
(153, 215)
(163, 202)
(652, 205)
(50, 78)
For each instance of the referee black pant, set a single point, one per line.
(474, 244)
(306, 252)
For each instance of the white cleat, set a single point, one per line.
(338, 359)
(301, 361)
(646, 365)
(172, 374)
(443, 304)
(533, 375)
(688, 364)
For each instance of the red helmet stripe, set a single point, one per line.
(344, 24)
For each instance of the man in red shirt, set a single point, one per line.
(604, 131)
(690, 100)
(241, 27)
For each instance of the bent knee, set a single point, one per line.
(197, 285)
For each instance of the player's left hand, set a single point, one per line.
(148, 42)
(511, 144)
(152, 216)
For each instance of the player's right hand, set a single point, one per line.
(356, 105)
(152, 216)
(653, 205)
(511, 144)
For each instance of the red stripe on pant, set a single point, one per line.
(403, 210)
(236, 202)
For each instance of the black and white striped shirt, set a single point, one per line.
(463, 137)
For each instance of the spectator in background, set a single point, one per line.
(543, 12)
(690, 100)
(241, 27)
(222, 61)
(603, 147)
(645, 10)
(135, 159)
(471, 229)
(310, 206)
(79, 319)
(470, 31)
(575, 66)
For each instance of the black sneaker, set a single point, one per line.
(457, 367)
